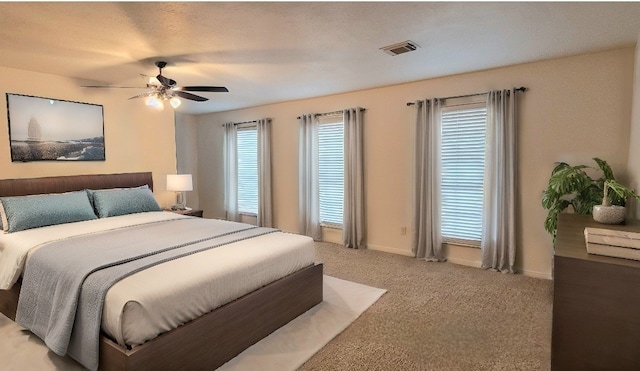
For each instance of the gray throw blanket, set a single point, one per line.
(65, 282)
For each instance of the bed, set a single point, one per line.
(202, 343)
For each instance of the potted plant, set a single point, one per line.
(612, 214)
(572, 186)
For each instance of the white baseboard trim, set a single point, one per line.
(465, 262)
(534, 274)
(477, 264)
(392, 250)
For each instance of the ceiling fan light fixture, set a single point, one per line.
(175, 102)
(161, 88)
(154, 102)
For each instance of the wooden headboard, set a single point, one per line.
(60, 184)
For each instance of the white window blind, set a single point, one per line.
(248, 170)
(331, 170)
(463, 146)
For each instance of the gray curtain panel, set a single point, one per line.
(308, 196)
(265, 210)
(353, 228)
(231, 171)
(499, 222)
(427, 235)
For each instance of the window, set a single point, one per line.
(463, 146)
(331, 169)
(248, 170)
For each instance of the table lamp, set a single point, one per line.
(179, 183)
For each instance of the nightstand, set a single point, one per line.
(192, 212)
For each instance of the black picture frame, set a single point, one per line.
(48, 129)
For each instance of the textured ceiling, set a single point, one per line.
(272, 52)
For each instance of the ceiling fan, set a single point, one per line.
(163, 88)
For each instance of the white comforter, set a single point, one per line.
(163, 297)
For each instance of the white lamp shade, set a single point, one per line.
(179, 182)
(175, 102)
(154, 102)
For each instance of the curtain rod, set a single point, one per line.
(331, 113)
(522, 89)
(247, 122)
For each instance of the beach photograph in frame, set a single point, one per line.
(45, 129)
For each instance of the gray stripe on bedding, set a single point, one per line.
(65, 282)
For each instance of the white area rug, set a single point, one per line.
(285, 349)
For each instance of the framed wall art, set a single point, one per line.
(45, 129)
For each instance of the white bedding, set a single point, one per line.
(158, 299)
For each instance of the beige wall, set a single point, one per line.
(576, 108)
(633, 166)
(187, 162)
(136, 138)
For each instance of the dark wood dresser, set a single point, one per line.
(596, 303)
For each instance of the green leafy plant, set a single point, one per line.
(621, 191)
(572, 186)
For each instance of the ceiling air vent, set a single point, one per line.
(399, 48)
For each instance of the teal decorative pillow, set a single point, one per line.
(1, 217)
(26, 212)
(90, 192)
(114, 202)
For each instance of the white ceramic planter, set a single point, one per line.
(611, 214)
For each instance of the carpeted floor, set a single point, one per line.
(438, 316)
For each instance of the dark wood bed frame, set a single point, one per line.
(204, 343)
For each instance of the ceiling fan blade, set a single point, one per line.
(190, 96)
(113, 87)
(215, 89)
(147, 94)
(166, 81)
